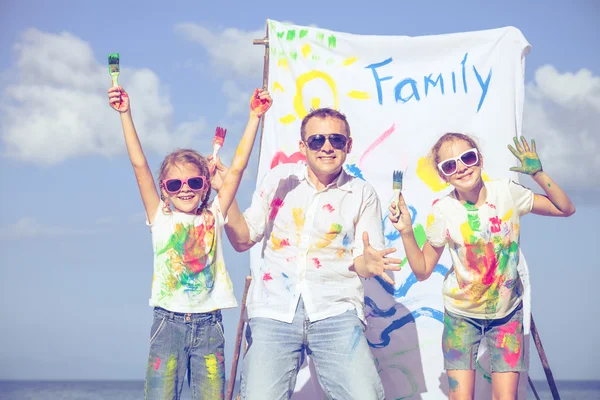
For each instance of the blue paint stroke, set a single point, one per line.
(354, 340)
(354, 170)
(427, 312)
(402, 290)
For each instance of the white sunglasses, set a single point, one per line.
(450, 166)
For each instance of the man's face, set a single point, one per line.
(326, 161)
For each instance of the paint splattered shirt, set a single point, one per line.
(189, 270)
(311, 238)
(484, 246)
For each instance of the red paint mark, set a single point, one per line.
(376, 143)
(482, 259)
(267, 277)
(490, 205)
(281, 158)
(289, 259)
(509, 339)
(156, 364)
(495, 227)
(259, 106)
(317, 262)
(275, 206)
(329, 208)
(435, 201)
(284, 243)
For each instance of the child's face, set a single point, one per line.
(186, 199)
(465, 178)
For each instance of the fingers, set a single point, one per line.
(385, 252)
(402, 204)
(395, 267)
(394, 261)
(387, 278)
(517, 144)
(525, 144)
(365, 238)
(515, 153)
(533, 146)
(517, 169)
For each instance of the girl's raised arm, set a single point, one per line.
(119, 101)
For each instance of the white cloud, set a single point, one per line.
(562, 113)
(231, 50)
(56, 106)
(28, 227)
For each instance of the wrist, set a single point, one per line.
(407, 233)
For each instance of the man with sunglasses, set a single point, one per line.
(322, 228)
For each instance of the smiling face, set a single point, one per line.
(465, 179)
(185, 200)
(324, 164)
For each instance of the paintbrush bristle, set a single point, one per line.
(219, 136)
(113, 62)
(397, 180)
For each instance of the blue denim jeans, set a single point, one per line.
(337, 345)
(186, 345)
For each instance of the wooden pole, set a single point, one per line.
(265, 42)
(544, 360)
(533, 388)
(238, 342)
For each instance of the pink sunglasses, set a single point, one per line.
(195, 184)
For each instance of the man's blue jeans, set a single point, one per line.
(337, 345)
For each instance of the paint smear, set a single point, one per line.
(331, 42)
(509, 339)
(316, 262)
(349, 61)
(329, 208)
(156, 364)
(428, 174)
(354, 341)
(288, 119)
(305, 50)
(355, 94)
(267, 277)
(334, 230)
(315, 103)
(276, 204)
(277, 86)
(211, 389)
(170, 376)
(354, 170)
(303, 33)
(278, 244)
(283, 63)
(376, 143)
(281, 158)
(453, 384)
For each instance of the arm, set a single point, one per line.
(141, 169)
(555, 203)
(242, 154)
(421, 261)
(236, 227)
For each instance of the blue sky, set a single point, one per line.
(76, 255)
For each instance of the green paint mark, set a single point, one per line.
(291, 34)
(453, 384)
(548, 184)
(315, 57)
(420, 238)
(532, 165)
(170, 376)
(473, 217)
(303, 32)
(280, 34)
(273, 26)
(331, 41)
(281, 53)
(320, 36)
(294, 55)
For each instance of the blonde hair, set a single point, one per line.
(450, 137)
(185, 156)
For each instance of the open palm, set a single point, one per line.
(530, 161)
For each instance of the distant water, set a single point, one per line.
(124, 390)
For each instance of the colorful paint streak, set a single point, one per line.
(277, 86)
(316, 262)
(453, 384)
(452, 344)
(329, 207)
(275, 206)
(429, 175)
(357, 95)
(376, 143)
(509, 340)
(278, 244)
(349, 61)
(156, 364)
(288, 119)
(281, 158)
(425, 312)
(169, 377)
(354, 170)
(299, 219)
(212, 386)
(354, 341)
(326, 240)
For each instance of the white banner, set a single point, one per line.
(400, 95)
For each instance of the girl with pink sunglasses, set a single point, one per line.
(190, 284)
(479, 222)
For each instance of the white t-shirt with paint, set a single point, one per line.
(189, 269)
(484, 246)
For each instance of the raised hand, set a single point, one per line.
(400, 220)
(530, 161)
(118, 99)
(375, 262)
(260, 102)
(218, 172)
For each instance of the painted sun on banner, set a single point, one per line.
(400, 95)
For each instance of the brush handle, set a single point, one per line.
(115, 79)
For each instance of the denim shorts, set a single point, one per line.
(186, 345)
(504, 339)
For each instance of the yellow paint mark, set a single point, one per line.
(278, 244)
(299, 220)
(507, 216)
(283, 63)
(466, 231)
(349, 61)
(334, 230)
(211, 366)
(355, 94)
(305, 50)
(428, 174)
(485, 177)
(212, 388)
(315, 103)
(288, 119)
(303, 80)
(170, 376)
(277, 86)
(430, 219)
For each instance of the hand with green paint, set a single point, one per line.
(530, 161)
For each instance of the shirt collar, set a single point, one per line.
(343, 180)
